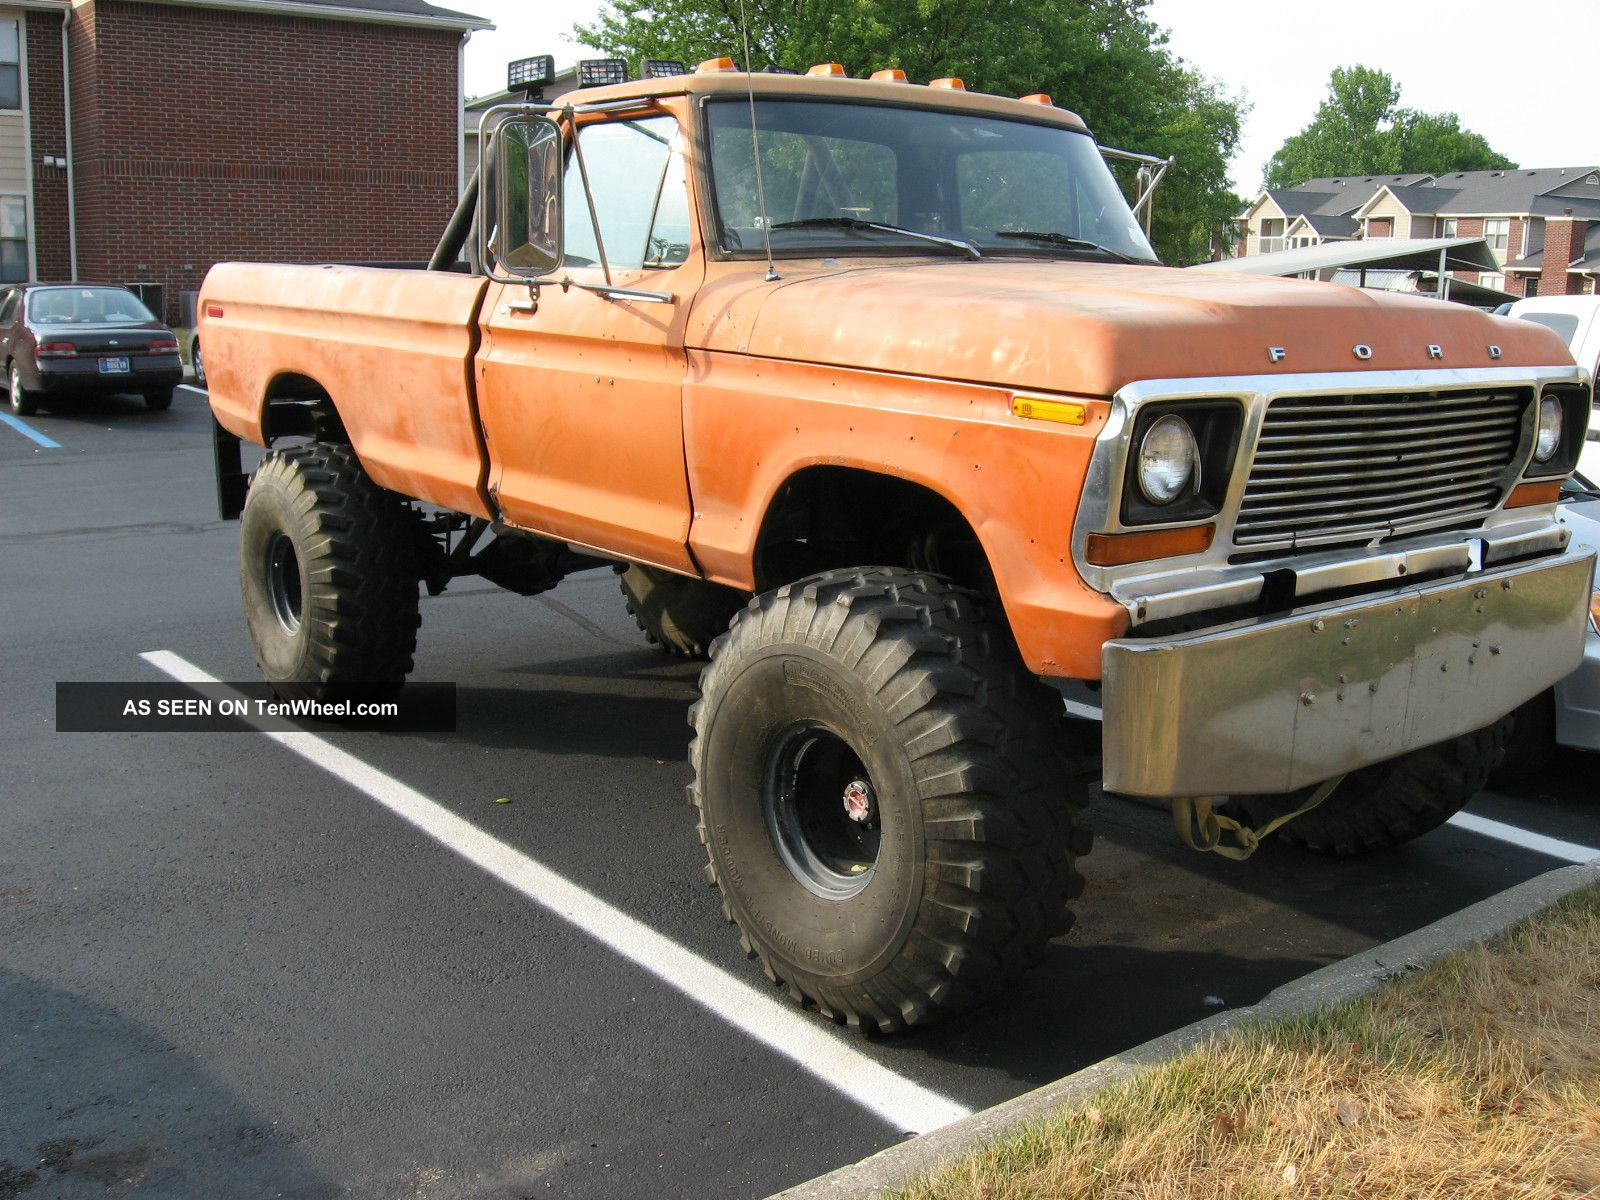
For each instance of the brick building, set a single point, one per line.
(143, 140)
(1543, 225)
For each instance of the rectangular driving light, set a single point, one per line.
(599, 72)
(662, 68)
(531, 74)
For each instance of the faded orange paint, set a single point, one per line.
(662, 433)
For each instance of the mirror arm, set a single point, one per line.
(588, 195)
(612, 292)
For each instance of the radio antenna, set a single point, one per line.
(755, 145)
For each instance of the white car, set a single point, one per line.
(1569, 713)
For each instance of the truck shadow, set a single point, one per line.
(97, 1104)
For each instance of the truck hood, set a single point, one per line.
(1089, 329)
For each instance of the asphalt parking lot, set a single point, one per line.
(237, 965)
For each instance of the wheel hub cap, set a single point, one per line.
(859, 804)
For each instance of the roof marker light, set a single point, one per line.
(950, 83)
(890, 75)
(1038, 98)
(832, 70)
(712, 65)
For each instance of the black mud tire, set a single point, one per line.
(1531, 744)
(328, 574)
(682, 616)
(1389, 803)
(158, 401)
(978, 790)
(21, 400)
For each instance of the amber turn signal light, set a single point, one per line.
(890, 75)
(1119, 549)
(712, 65)
(951, 83)
(1038, 98)
(832, 70)
(1546, 492)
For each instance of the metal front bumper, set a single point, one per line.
(1280, 704)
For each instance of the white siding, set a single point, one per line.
(13, 154)
(1387, 206)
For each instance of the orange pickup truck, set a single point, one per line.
(876, 394)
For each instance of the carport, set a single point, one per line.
(1407, 255)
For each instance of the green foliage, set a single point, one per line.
(1105, 59)
(1360, 129)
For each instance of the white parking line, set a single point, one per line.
(1528, 840)
(904, 1104)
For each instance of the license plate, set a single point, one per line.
(113, 366)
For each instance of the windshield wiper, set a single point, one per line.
(1075, 243)
(966, 248)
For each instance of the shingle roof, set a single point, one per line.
(1503, 191)
(400, 12)
(1332, 225)
(1424, 198)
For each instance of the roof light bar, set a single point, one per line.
(890, 75)
(949, 83)
(598, 72)
(712, 65)
(830, 70)
(661, 68)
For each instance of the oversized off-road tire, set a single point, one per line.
(888, 799)
(681, 615)
(1531, 743)
(328, 574)
(1388, 803)
(22, 402)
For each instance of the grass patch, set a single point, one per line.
(1478, 1077)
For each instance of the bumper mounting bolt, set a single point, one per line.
(1318, 626)
(1308, 698)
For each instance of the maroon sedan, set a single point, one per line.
(76, 339)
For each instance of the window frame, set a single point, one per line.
(1497, 241)
(14, 64)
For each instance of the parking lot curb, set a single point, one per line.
(1354, 976)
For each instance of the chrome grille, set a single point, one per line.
(1332, 469)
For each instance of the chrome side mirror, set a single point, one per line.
(520, 206)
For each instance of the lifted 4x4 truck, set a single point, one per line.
(876, 394)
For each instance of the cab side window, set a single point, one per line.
(641, 197)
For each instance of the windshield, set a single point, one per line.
(843, 167)
(1562, 323)
(86, 306)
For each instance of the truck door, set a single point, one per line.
(580, 396)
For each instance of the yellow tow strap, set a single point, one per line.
(1201, 828)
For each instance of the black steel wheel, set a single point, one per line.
(889, 800)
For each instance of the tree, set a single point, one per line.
(1105, 59)
(1360, 129)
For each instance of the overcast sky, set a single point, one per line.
(1490, 62)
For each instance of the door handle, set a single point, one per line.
(523, 307)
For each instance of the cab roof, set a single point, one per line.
(812, 87)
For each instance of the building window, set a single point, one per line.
(1497, 232)
(1271, 235)
(13, 239)
(10, 72)
(1380, 227)
(1490, 280)
(1447, 227)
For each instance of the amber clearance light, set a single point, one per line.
(1119, 549)
(1545, 492)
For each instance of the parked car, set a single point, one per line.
(84, 339)
(1577, 320)
(1568, 714)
